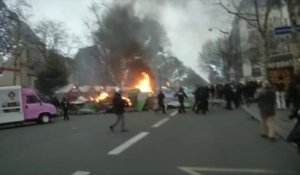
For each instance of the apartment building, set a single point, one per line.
(280, 62)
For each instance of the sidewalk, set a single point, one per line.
(283, 124)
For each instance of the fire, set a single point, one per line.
(101, 97)
(104, 95)
(127, 100)
(144, 85)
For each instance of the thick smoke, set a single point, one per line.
(186, 23)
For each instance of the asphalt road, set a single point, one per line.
(219, 143)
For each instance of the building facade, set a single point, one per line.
(252, 45)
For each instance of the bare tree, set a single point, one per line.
(7, 24)
(293, 7)
(21, 10)
(256, 13)
(214, 57)
(52, 33)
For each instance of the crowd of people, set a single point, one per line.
(267, 96)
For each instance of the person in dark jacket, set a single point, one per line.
(228, 96)
(235, 94)
(212, 91)
(266, 99)
(294, 135)
(247, 93)
(65, 107)
(294, 97)
(181, 95)
(161, 103)
(119, 109)
(196, 98)
(204, 96)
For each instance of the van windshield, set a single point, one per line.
(44, 99)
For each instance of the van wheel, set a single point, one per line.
(44, 118)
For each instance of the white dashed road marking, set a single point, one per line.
(128, 143)
(204, 170)
(159, 123)
(174, 113)
(81, 173)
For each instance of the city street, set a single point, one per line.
(221, 142)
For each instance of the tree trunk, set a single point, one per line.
(265, 37)
(266, 58)
(17, 52)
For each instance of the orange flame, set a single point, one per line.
(101, 97)
(127, 100)
(104, 95)
(144, 84)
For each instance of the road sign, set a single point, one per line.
(285, 30)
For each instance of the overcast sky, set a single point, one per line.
(186, 23)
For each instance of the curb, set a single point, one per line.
(279, 130)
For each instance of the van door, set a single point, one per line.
(32, 107)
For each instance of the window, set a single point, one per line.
(32, 99)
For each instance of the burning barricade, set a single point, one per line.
(139, 97)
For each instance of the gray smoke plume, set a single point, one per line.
(186, 23)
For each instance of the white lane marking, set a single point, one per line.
(127, 144)
(174, 113)
(201, 170)
(159, 123)
(81, 173)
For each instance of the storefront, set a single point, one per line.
(281, 66)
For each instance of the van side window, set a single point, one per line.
(32, 99)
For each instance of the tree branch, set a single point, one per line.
(241, 16)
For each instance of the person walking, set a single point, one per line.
(228, 96)
(161, 103)
(181, 95)
(119, 109)
(196, 99)
(294, 135)
(294, 97)
(247, 93)
(204, 96)
(65, 107)
(266, 99)
(280, 95)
